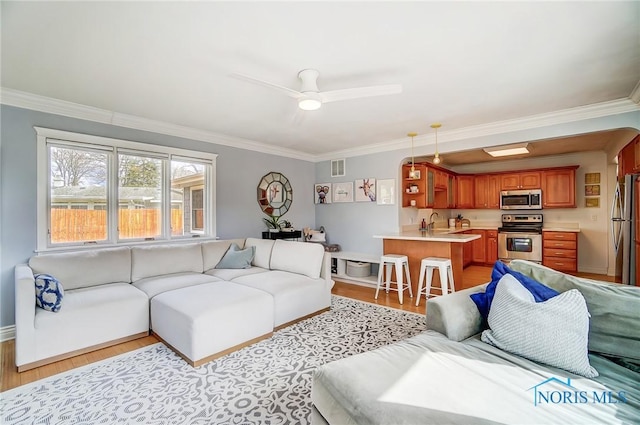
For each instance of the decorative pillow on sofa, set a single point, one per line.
(49, 292)
(483, 300)
(236, 258)
(554, 332)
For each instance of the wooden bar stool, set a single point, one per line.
(446, 276)
(397, 261)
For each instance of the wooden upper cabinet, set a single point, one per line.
(464, 191)
(419, 195)
(629, 158)
(636, 151)
(487, 191)
(559, 188)
(523, 180)
(441, 180)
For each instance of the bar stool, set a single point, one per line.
(397, 261)
(446, 276)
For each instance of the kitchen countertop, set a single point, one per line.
(438, 235)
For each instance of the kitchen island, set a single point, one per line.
(417, 245)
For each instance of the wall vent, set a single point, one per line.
(337, 168)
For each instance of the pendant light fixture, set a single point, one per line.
(412, 172)
(436, 158)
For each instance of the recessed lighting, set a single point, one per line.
(507, 150)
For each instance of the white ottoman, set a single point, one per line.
(207, 321)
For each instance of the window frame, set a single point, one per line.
(111, 146)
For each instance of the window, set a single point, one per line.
(95, 190)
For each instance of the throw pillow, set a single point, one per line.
(236, 258)
(49, 292)
(554, 332)
(483, 300)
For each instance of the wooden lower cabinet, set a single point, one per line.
(483, 251)
(560, 251)
(492, 246)
(479, 247)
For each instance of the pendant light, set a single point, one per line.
(436, 158)
(412, 172)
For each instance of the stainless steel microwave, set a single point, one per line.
(521, 199)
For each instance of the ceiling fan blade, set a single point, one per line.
(335, 95)
(285, 90)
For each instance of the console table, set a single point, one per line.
(296, 234)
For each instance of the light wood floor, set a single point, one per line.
(472, 276)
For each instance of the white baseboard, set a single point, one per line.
(7, 333)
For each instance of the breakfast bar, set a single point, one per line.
(417, 245)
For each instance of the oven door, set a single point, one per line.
(523, 246)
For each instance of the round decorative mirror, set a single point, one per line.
(275, 194)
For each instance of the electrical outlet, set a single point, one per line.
(594, 217)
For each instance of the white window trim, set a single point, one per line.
(204, 201)
(43, 185)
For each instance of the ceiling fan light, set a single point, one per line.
(310, 102)
(507, 150)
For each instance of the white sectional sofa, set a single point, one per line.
(117, 294)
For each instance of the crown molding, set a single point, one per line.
(635, 94)
(580, 113)
(34, 102)
(25, 100)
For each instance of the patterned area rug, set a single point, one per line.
(266, 383)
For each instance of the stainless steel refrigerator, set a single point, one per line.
(623, 227)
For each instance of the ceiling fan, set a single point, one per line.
(310, 98)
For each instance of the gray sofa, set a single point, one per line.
(110, 296)
(448, 375)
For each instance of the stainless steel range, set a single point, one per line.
(520, 237)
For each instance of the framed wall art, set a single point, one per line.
(343, 192)
(322, 193)
(365, 190)
(386, 192)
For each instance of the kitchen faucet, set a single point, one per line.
(431, 222)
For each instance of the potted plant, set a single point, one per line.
(272, 222)
(287, 226)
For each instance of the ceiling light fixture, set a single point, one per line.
(310, 101)
(507, 150)
(436, 158)
(412, 172)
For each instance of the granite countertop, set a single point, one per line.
(438, 235)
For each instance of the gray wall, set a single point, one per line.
(238, 174)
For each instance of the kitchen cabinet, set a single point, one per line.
(636, 154)
(414, 189)
(441, 180)
(629, 158)
(465, 191)
(479, 254)
(520, 181)
(487, 192)
(492, 246)
(560, 251)
(559, 188)
(451, 191)
(467, 252)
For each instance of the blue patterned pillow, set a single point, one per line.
(49, 292)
